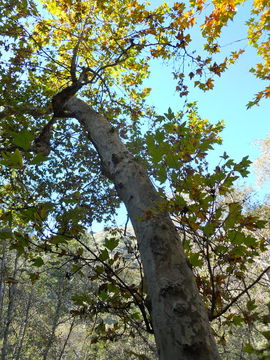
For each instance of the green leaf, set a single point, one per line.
(160, 118)
(162, 174)
(82, 299)
(236, 237)
(248, 348)
(233, 216)
(38, 262)
(251, 305)
(172, 161)
(7, 217)
(6, 234)
(209, 229)
(169, 115)
(225, 156)
(79, 251)
(24, 139)
(250, 241)
(242, 167)
(43, 210)
(260, 224)
(38, 159)
(237, 320)
(156, 155)
(238, 251)
(34, 277)
(111, 243)
(221, 249)
(195, 260)
(78, 299)
(99, 269)
(103, 295)
(75, 268)
(159, 136)
(104, 255)
(266, 334)
(13, 160)
(58, 239)
(112, 288)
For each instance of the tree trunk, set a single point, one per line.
(66, 340)
(56, 316)
(180, 321)
(2, 283)
(23, 327)
(9, 315)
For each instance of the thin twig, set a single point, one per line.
(240, 294)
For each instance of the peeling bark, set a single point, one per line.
(180, 321)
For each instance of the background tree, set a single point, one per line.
(262, 162)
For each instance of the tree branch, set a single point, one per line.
(240, 294)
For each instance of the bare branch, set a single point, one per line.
(240, 294)
(36, 113)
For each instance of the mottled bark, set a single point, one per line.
(180, 321)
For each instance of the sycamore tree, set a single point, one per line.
(72, 109)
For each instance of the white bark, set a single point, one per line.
(180, 321)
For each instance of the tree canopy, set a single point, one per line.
(55, 180)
